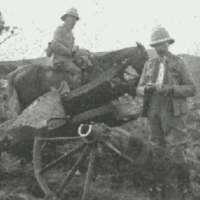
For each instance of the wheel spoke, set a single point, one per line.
(60, 159)
(73, 170)
(60, 138)
(90, 171)
(110, 146)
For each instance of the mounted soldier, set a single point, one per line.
(66, 56)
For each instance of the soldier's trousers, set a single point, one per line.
(168, 135)
(73, 72)
(168, 131)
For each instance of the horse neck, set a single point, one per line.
(134, 57)
(139, 59)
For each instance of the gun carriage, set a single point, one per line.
(88, 118)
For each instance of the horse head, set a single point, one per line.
(139, 58)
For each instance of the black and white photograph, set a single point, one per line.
(99, 100)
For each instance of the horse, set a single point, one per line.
(32, 81)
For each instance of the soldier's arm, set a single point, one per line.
(142, 82)
(57, 44)
(186, 87)
(61, 49)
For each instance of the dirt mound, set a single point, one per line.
(194, 65)
(8, 66)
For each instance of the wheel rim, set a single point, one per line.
(90, 139)
(39, 170)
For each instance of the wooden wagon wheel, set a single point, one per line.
(89, 143)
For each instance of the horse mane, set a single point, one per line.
(114, 55)
(132, 54)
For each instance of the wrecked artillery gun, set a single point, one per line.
(83, 117)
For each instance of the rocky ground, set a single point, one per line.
(18, 182)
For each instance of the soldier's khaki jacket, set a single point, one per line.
(62, 44)
(177, 74)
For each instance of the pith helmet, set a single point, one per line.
(159, 35)
(72, 12)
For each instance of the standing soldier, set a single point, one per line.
(165, 85)
(63, 48)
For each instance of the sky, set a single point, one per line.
(104, 25)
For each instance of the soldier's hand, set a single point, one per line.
(149, 89)
(166, 90)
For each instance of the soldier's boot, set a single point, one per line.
(158, 186)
